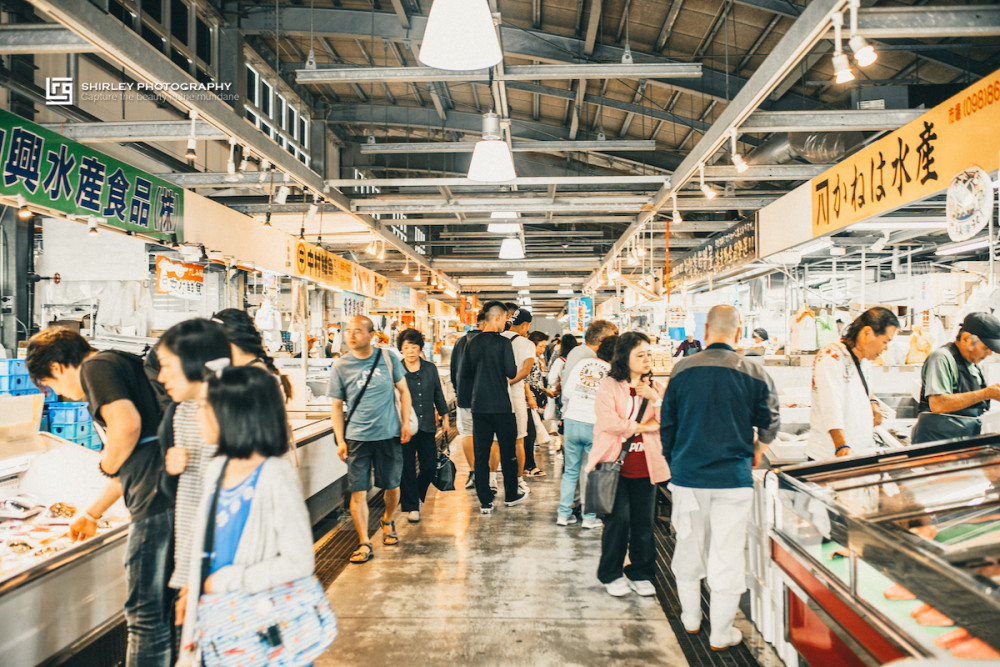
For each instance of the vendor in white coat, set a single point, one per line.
(844, 414)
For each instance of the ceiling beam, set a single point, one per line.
(829, 121)
(800, 38)
(929, 22)
(546, 205)
(340, 74)
(132, 51)
(122, 131)
(517, 146)
(519, 181)
(593, 23)
(553, 263)
(668, 25)
(39, 38)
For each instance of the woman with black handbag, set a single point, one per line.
(627, 456)
(251, 596)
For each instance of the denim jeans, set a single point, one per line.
(147, 608)
(578, 438)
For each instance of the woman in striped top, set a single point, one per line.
(183, 352)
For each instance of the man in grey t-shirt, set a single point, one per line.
(371, 437)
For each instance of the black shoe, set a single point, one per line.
(517, 500)
(486, 509)
(471, 482)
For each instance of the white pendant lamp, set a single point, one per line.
(491, 159)
(503, 228)
(511, 248)
(460, 36)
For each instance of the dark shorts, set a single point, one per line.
(384, 456)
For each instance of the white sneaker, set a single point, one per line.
(414, 516)
(618, 588)
(642, 587)
(732, 637)
(590, 522)
(522, 486)
(565, 520)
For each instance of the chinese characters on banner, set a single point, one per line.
(398, 295)
(354, 304)
(53, 172)
(916, 161)
(313, 262)
(722, 252)
(186, 281)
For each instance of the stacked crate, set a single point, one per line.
(14, 380)
(71, 421)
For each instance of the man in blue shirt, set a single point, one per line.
(369, 435)
(714, 402)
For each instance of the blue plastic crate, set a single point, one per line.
(5, 384)
(32, 390)
(20, 382)
(66, 431)
(84, 431)
(95, 442)
(44, 424)
(13, 367)
(68, 413)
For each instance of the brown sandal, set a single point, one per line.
(389, 537)
(360, 554)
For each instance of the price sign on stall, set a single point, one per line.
(914, 162)
(186, 281)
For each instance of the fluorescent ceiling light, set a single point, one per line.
(460, 36)
(884, 223)
(511, 248)
(565, 291)
(504, 227)
(964, 246)
(504, 214)
(523, 292)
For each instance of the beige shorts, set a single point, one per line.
(464, 418)
(521, 417)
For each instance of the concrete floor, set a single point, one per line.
(507, 589)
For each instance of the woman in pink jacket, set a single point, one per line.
(628, 415)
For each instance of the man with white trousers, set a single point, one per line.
(719, 412)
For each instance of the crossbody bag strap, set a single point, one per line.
(357, 401)
(624, 452)
(857, 365)
(208, 551)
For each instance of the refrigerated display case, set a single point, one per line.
(891, 555)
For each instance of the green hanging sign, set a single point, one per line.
(55, 173)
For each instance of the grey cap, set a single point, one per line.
(986, 327)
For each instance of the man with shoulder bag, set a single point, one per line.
(369, 436)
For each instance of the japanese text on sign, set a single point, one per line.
(56, 173)
(313, 262)
(186, 281)
(914, 162)
(722, 252)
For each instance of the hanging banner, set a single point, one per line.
(398, 295)
(186, 281)
(354, 304)
(381, 286)
(363, 281)
(315, 263)
(723, 252)
(914, 162)
(581, 313)
(56, 173)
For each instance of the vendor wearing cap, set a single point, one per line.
(953, 392)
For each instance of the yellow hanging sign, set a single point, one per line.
(914, 162)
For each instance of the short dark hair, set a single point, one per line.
(55, 345)
(410, 336)
(878, 318)
(510, 306)
(492, 306)
(481, 316)
(567, 343)
(537, 337)
(623, 350)
(597, 331)
(195, 342)
(606, 350)
(250, 411)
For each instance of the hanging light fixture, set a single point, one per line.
(92, 227)
(282, 195)
(519, 279)
(677, 214)
(511, 248)
(265, 167)
(864, 53)
(417, 277)
(381, 252)
(192, 145)
(738, 161)
(492, 161)
(245, 159)
(706, 190)
(460, 36)
(503, 227)
(841, 64)
(231, 162)
(406, 269)
(23, 211)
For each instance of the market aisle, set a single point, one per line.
(511, 588)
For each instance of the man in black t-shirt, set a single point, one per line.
(127, 415)
(488, 364)
(463, 398)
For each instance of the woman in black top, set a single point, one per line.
(425, 389)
